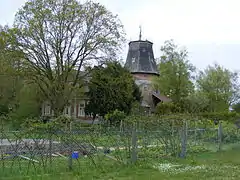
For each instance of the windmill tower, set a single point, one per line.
(142, 65)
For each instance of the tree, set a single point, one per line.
(29, 104)
(175, 78)
(220, 86)
(115, 117)
(111, 88)
(10, 71)
(236, 107)
(60, 38)
(196, 102)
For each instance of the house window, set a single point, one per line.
(81, 109)
(47, 110)
(67, 110)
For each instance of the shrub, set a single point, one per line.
(166, 108)
(115, 117)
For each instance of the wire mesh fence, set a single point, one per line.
(46, 150)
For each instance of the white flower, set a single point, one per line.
(176, 168)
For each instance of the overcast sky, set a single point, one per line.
(209, 29)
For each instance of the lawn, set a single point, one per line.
(209, 165)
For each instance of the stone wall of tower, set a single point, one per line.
(144, 82)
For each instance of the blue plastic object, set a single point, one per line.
(75, 155)
(106, 151)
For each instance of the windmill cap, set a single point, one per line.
(140, 41)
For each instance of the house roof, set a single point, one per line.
(161, 97)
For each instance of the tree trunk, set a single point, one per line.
(57, 112)
(94, 116)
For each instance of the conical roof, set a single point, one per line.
(140, 58)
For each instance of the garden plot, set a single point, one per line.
(35, 147)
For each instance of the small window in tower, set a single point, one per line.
(133, 60)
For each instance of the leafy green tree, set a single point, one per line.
(175, 78)
(220, 86)
(196, 102)
(60, 38)
(29, 105)
(236, 107)
(18, 99)
(10, 71)
(110, 88)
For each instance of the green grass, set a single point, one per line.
(153, 165)
(209, 165)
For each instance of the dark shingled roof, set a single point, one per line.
(161, 97)
(140, 58)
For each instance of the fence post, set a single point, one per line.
(121, 126)
(195, 132)
(2, 136)
(184, 140)
(134, 144)
(50, 146)
(172, 128)
(220, 133)
(70, 160)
